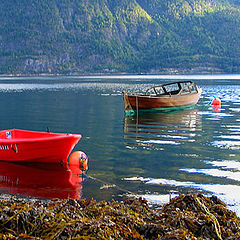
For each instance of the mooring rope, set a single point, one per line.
(108, 184)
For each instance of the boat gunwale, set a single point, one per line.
(134, 94)
(49, 138)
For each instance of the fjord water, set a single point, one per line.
(154, 155)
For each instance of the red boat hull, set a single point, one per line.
(21, 145)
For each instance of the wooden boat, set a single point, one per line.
(23, 145)
(168, 96)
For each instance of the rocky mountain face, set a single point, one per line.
(113, 36)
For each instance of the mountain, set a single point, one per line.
(114, 36)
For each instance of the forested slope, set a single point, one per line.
(111, 36)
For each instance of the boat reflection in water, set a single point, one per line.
(175, 127)
(41, 180)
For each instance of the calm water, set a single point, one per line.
(193, 150)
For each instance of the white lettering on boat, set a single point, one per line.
(4, 147)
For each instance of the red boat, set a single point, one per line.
(22, 145)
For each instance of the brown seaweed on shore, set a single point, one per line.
(188, 216)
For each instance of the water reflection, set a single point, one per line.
(41, 180)
(216, 109)
(173, 128)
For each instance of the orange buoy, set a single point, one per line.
(216, 102)
(79, 159)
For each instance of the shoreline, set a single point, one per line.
(131, 76)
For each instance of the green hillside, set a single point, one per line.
(112, 36)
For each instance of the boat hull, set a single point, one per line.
(36, 146)
(146, 102)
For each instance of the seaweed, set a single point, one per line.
(189, 216)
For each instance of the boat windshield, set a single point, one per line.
(173, 89)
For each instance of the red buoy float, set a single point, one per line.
(79, 159)
(216, 102)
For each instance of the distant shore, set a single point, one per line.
(132, 76)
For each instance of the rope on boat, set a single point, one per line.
(137, 105)
(127, 105)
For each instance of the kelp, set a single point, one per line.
(189, 216)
